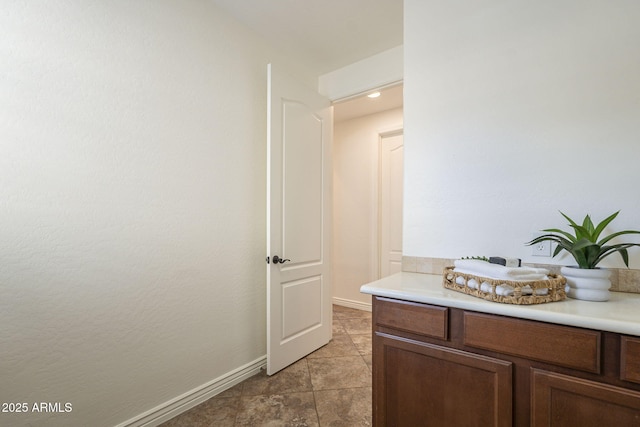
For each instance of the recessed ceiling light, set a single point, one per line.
(374, 95)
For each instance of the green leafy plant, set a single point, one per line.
(584, 245)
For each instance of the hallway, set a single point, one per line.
(329, 387)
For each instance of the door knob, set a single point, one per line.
(278, 260)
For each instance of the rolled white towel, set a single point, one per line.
(496, 271)
(503, 289)
(471, 283)
(528, 290)
(507, 291)
(486, 287)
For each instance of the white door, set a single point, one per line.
(391, 188)
(298, 221)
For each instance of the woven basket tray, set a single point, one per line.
(531, 292)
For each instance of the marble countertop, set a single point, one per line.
(620, 314)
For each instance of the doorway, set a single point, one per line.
(390, 189)
(360, 133)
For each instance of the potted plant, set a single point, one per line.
(587, 281)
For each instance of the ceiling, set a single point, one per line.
(390, 97)
(323, 35)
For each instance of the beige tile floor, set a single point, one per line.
(329, 387)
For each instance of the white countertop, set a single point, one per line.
(620, 314)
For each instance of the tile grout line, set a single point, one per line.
(313, 392)
(240, 408)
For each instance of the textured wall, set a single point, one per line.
(513, 111)
(132, 204)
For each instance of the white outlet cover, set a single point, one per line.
(542, 249)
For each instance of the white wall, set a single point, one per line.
(355, 218)
(377, 71)
(132, 204)
(513, 111)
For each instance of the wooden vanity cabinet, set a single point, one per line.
(440, 366)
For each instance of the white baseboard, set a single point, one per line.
(174, 407)
(188, 400)
(352, 304)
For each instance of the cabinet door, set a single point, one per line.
(561, 400)
(420, 384)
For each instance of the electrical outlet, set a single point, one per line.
(542, 248)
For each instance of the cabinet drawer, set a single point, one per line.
(560, 345)
(630, 359)
(421, 319)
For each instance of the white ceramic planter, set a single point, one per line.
(587, 284)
